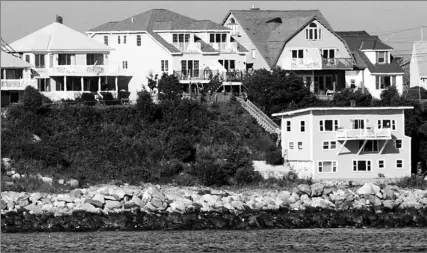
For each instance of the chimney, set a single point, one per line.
(253, 8)
(59, 19)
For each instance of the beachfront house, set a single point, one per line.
(375, 68)
(15, 77)
(346, 142)
(297, 40)
(161, 41)
(418, 65)
(67, 63)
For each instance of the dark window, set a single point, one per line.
(302, 126)
(138, 40)
(118, 39)
(212, 38)
(66, 59)
(106, 40)
(398, 143)
(27, 58)
(124, 39)
(39, 60)
(92, 59)
(288, 126)
(175, 38)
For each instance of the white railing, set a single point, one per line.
(17, 84)
(85, 70)
(187, 47)
(368, 133)
(227, 47)
(305, 63)
(268, 124)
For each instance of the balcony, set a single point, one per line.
(200, 75)
(17, 84)
(187, 47)
(364, 134)
(225, 47)
(337, 63)
(85, 70)
(305, 63)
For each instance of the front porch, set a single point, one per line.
(324, 83)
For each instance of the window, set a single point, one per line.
(43, 84)
(165, 65)
(124, 39)
(370, 146)
(327, 166)
(253, 53)
(302, 126)
(381, 164)
(361, 165)
(382, 57)
(399, 164)
(138, 40)
(27, 58)
(218, 37)
(328, 125)
(118, 39)
(228, 64)
(66, 59)
(92, 59)
(359, 124)
(190, 67)
(288, 126)
(313, 32)
(328, 53)
(297, 53)
(291, 145)
(300, 145)
(352, 83)
(106, 40)
(39, 60)
(384, 82)
(328, 145)
(387, 123)
(125, 64)
(398, 143)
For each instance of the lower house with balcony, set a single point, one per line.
(375, 68)
(161, 41)
(346, 142)
(15, 77)
(67, 63)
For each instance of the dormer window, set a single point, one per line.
(313, 32)
(382, 57)
(233, 26)
(217, 37)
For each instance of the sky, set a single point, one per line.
(20, 18)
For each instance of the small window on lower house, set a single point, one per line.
(125, 64)
(327, 166)
(288, 126)
(300, 145)
(302, 126)
(361, 165)
(380, 164)
(399, 164)
(352, 83)
(398, 143)
(291, 145)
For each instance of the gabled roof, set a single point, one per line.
(361, 40)
(270, 39)
(158, 19)
(10, 61)
(419, 55)
(168, 46)
(58, 37)
(281, 114)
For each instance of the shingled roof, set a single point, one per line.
(269, 30)
(419, 55)
(10, 61)
(361, 40)
(158, 19)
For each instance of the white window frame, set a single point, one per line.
(380, 124)
(106, 40)
(400, 143)
(124, 39)
(383, 161)
(118, 39)
(164, 65)
(43, 84)
(253, 52)
(322, 165)
(138, 40)
(38, 58)
(329, 145)
(125, 64)
(385, 57)
(366, 160)
(397, 160)
(328, 50)
(299, 144)
(298, 51)
(379, 85)
(335, 125)
(358, 120)
(291, 147)
(318, 32)
(288, 126)
(302, 126)
(373, 145)
(352, 83)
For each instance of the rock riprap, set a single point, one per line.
(195, 208)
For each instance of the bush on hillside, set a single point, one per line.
(88, 99)
(344, 97)
(274, 156)
(33, 100)
(147, 109)
(109, 99)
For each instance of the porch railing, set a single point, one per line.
(17, 84)
(305, 63)
(187, 47)
(337, 63)
(193, 74)
(368, 133)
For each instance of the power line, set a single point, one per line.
(398, 31)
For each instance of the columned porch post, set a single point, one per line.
(4, 73)
(312, 79)
(99, 84)
(240, 89)
(116, 85)
(82, 84)
(335, 82)
(65, 83)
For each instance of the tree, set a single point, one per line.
(344, 97)
(169, 87)
(33, 100)
(422, 132)
(146, 108)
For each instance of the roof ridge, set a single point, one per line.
(279, 10)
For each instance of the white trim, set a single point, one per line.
(323, 161)
(352, 165)
(378, 164)
(375, 50)
(341, 109)
(391, 122)
(403, 164)
(300, 126)
(329, 145)
(388, 74)
(290, 126)
(289, 145)
(167, 50)
(228, 30)
(333, 125)
(313, 165)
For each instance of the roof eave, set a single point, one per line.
(281, 114)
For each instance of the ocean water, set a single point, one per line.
(282, 240)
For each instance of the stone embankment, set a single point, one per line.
(110, 207)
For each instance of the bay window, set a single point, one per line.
(384, 82)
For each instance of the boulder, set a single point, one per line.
(368, 189)
(388, 204)
(118, 193)
(23, 201)
(153, 192)
(320, 202)
(34, 197)
(177, 207)
(423, 201)
(59, 203)
(73, 183)
(48, 208)
(98, 197)
(65, 197)
(47, 180)
(76, 193)
(3, 204)
(70, 205)
(411, 204)
(61, 181)
(292, 199)
(16, 176)
(374, 200)
(33, 208)
(305, 198)
(130, 205)
(297, 205)
(283, 195)
(88, 208)
(36, 138)
(111, 204)
(304, 189)
(389, 192)
(317, 189)
(93, 202)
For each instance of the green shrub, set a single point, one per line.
(88, 99)
(172, 168)
(274, 157)
(247, 175)
(413, 182)
(109, 99)
(180, 148)
(147, 109)
(33, 99)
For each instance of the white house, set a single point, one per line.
(346, 142)
(68, 63)
(418, 66)
(161, 41)
(15, 76)
(375, 68)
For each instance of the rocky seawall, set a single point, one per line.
(110, 207)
